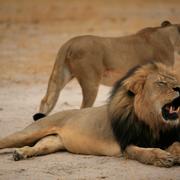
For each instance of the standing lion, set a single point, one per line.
(94, 60)
(141, 121)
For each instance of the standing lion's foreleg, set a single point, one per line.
(46, 145)
(153, 156)
(88, 68)
(174, 149)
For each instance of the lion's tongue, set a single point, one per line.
(172, 110)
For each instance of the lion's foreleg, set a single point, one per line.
(46, 145)
(153, 156)
(174, 149)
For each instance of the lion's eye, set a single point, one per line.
(179, 29)
(162, 83)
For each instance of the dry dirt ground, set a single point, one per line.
(31, 33)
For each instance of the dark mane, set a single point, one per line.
(119, 83)
(128, 128)
(131, 130)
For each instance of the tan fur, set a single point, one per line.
(89, 131)
(97, 60)
(136, 83)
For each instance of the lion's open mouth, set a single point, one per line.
(170, 111)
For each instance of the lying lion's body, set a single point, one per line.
(94, 60)
(121, 127)
(93, 133)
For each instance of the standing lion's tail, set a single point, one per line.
(60, 76)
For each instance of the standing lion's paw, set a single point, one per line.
(18, 155)
(163, 158)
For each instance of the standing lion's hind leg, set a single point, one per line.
(89, 95)
(89, 86)
(46, 145)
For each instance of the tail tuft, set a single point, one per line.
(38, 116)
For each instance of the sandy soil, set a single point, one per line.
(31, 33)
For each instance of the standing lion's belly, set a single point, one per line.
(111, 76)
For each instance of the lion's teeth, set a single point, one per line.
(171, 110)
(178, 109)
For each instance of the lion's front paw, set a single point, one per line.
(174, 149)
(163, 158)
(177, 159)
(18, 155)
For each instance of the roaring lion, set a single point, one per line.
(94, 60)
(141, 121)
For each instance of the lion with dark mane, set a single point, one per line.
(141, 121)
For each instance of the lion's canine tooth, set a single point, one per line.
(178, 109)
(171, 109)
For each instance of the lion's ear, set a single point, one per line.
(166, 23)
(135, 87)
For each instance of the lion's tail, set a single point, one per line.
(29, 135)
(60, 76)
